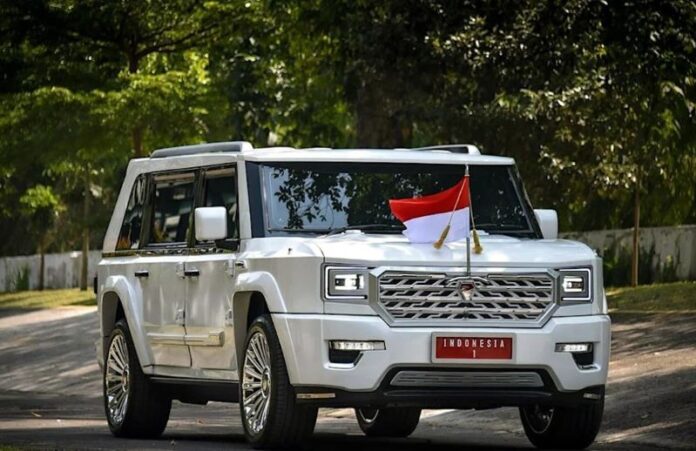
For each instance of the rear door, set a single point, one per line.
(209, 326)
(162, 266)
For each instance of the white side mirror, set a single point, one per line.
(548, 221)
(211, 223)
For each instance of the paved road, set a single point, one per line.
(49, 396)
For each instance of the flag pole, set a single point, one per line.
(468, 239)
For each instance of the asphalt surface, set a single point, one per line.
(50, 396)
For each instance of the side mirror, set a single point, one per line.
(548, 221)
(211, 223)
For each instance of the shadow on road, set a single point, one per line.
(50, 397)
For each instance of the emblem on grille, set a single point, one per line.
(466, 288)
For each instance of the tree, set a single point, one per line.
(42, 208)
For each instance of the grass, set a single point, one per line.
(35, 300)
(663, 297)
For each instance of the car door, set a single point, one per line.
(209, 326)
(162, 266)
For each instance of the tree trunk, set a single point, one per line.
(137, 131)
(84, 273)
(137, 141)
(42, 266)
(379, 125)
(636, 233)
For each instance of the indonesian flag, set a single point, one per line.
(427, 217)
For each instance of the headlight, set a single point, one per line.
(575, 285)
(342, 282)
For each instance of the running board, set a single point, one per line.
(197, 391)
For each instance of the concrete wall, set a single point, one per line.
(667, 253)
(61, 270)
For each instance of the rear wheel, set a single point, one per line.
(270, 414)
(134, 406)
(562, 427)
(389, 422)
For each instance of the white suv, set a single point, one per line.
(278, 278)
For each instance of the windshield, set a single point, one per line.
(324, 197)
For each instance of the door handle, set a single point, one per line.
(142, 273)
(193, 272)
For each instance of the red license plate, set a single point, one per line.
(474, 348)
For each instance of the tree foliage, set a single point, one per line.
(595, 99)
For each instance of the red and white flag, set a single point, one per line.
(427, 217)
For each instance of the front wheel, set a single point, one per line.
(562, 427)
(134, 406)
(270, 414)
(390, 422)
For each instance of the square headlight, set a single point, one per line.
(575, 285)
(342, 282)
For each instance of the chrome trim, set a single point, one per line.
(216, 338)
(316, 395)
(157, 338)
(468, 379)
(441, 305)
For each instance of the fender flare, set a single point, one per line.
(131, 302)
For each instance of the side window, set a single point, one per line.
(172, 203)
(129, 236)
(221, 191)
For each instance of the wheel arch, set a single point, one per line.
(118, 300)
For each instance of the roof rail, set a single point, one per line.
(229, 146)
(454, 148)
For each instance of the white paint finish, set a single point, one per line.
(209, 298)
(287, 271)
(548, 222)
(391, 156)
(498, 250)
(304, 339)
(211, 223)
(164, 298)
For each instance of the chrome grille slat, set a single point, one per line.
(434, 298)
(470, 379)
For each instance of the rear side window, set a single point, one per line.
(172, 203)
(221, 191)
(129, 236)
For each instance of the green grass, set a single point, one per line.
(35, 300)
(663, 297)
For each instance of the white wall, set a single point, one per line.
(670, 245)
(61, 270)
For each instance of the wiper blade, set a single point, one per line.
(382, 227)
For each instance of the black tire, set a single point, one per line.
(566, 428)
(390, 422)
(147, 408)
(287, 423)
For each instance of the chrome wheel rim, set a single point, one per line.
(539, 418)
(117, 380)
(368, 415)
(256, 383)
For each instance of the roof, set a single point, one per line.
(443, 154)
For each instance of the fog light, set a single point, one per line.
(344, 345)
(573, 347)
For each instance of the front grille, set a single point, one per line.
(467, 379)
(436, 298)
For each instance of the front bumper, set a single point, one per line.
(304, 340)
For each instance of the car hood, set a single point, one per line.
(498, 251)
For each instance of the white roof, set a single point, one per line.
(220, 153)
(288, 154)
